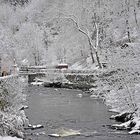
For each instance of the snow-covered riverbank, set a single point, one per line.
(12, 117)
(9, 138)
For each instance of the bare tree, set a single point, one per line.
(75, 21)
(93, 48)
(135, 13)
(127, 5)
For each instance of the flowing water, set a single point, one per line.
(63, 108)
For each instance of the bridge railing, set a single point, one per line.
(44, 70)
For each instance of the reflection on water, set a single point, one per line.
(63, 108)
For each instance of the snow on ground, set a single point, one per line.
(9, 138)
(126, 98)
(84, 64)
(121, 99)
(36, 83)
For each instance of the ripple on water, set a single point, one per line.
(54, 110)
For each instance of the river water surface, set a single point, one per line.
(63, 108)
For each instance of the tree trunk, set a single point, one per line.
(135, 15)
(86, 34)
(128, 31)
(35, 59)
(90, 44)
(127, 2)
(38, 58)
(98, 60)
(91, 53)
(97, 45)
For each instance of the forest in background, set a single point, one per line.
(50, 31)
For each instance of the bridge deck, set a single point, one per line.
(32, 71)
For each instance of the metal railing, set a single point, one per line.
(64, 71)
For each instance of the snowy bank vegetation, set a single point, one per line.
(12, 118)
(120, 84)
(9, 138)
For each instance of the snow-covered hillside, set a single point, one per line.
(100, 35)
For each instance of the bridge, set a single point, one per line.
(52, 74)
(44, 70)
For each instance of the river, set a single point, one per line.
(57, 108)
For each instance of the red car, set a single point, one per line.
(62, 66)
